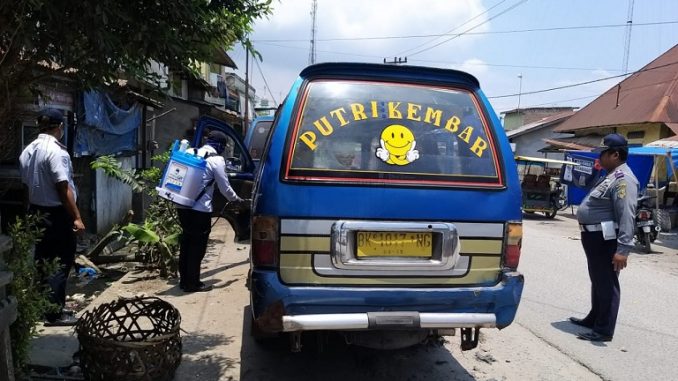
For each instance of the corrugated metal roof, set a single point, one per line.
(222, 58)
(579, 143)
(673, 127)
(526, 110)
(543, 122)
(648, 96)
(671, 142)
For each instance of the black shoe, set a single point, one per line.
(581, 322)
(63, 321)
(594, 336)
(201, 288)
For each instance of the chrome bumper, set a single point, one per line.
(387, 320)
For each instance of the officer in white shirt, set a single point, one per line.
(196, 222)
(47, 172)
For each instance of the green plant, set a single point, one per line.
(157, 239)
(31, 294)
(113, 168)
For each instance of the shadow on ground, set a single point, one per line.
(202, 358)
(338, 361)
(574, 330)
(96, 286)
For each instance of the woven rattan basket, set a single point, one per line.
(130, 339)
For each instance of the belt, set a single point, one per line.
(594, 227)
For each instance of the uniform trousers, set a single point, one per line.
(58, 242)
(605, 291)
(196, 227)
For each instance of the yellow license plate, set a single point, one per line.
(394, 244)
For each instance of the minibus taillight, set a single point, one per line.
(265, 241)
(514, 242)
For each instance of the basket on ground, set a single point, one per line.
(130, 339)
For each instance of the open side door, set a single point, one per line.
(240, 171)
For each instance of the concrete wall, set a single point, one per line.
(173, 126)
(652, 132)
(530, 143)
(112, 198)
(518, 118)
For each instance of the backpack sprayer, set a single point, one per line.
(182, 181)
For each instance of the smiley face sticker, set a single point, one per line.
(397, 145)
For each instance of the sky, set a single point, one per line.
(347, 31)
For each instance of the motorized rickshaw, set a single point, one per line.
(541, 188)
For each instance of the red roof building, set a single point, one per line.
(643, 107)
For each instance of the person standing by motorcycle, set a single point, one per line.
(606, 218)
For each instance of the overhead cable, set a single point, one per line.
(583, 83)
(511, 31)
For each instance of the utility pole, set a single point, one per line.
(627, 42)
(520, 88)
(314, 12)
(245, 123)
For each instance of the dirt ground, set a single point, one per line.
(217, 345)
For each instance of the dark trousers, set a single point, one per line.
(196, 227)
(605, 292)
(58, 242)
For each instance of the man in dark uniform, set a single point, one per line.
(47, 172)
(607, 222)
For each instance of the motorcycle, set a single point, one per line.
(646, 228)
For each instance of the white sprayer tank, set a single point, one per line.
(182, 180)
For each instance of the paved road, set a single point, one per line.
(540, 345)
(557, 286)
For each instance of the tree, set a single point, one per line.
(95, 41)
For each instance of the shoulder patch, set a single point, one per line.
(621, 189)
(619, 175)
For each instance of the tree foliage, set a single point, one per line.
(94, 41)
(157, 239)
(32, 296)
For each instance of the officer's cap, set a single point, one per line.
(217, 136)
(49, 117)
(612, 141)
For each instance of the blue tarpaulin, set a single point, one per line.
(582, 177)
(670, 155)
(106, 128)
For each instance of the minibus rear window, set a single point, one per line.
(358, 131)
(259, 136)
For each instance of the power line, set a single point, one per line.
(469, 29)
(451, 30)
(323, 51)
(583, 83)
(559, 101)
(515, 66)
(265, 82)
(560, 87)
(622, 90)
(511, 31)
(448, 62)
